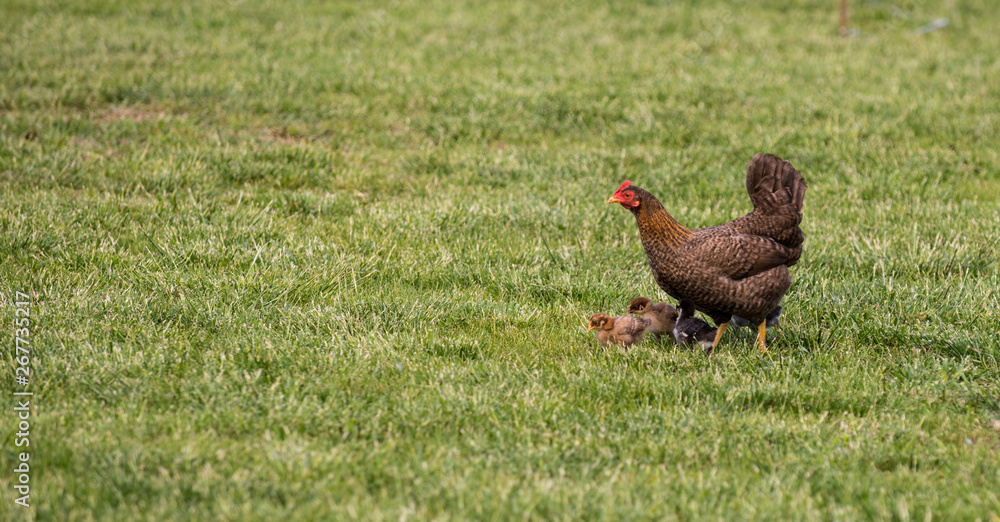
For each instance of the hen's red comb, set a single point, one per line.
(625, 185)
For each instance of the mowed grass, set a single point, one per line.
(304, 261)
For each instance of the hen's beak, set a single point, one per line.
(614, 199)
(591, 328)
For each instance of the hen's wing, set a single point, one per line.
(738, 256)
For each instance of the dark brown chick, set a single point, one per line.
(689, 329)
(622, 331)
(661, 316)
(737, 268)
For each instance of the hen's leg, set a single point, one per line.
(718, 333)
(760, 336)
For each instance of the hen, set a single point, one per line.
(739, 268)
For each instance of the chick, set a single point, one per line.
(603, 323)
(662, 316)
(689, 329)
(773, 319)
(623, 331)
(629, 330)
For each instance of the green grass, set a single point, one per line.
(308, 260)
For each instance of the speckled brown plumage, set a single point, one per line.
(739, 268)
(661, 316)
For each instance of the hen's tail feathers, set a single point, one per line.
(774, 183)
(777, 191)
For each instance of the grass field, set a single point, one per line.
(304, 260)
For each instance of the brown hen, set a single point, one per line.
(739, 268)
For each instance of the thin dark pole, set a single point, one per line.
(843, 17)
